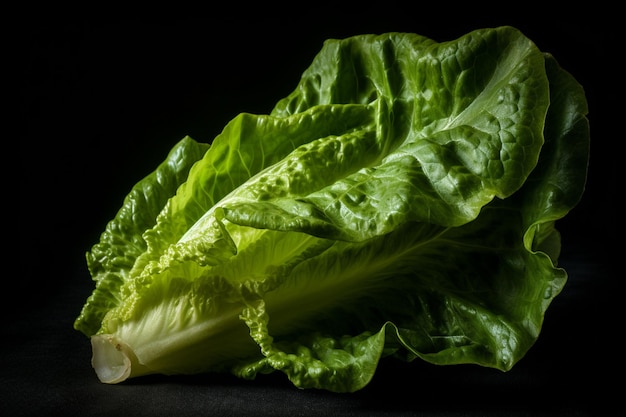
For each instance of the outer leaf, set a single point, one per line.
(121, 243)
(451, 132)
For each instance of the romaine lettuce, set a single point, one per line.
(401, 201)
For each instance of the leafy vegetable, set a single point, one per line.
(401, 201)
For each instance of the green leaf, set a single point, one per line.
(110, 260)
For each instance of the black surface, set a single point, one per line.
(103, 101)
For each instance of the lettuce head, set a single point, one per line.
(400, 202)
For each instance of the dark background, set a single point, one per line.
(101, 102)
